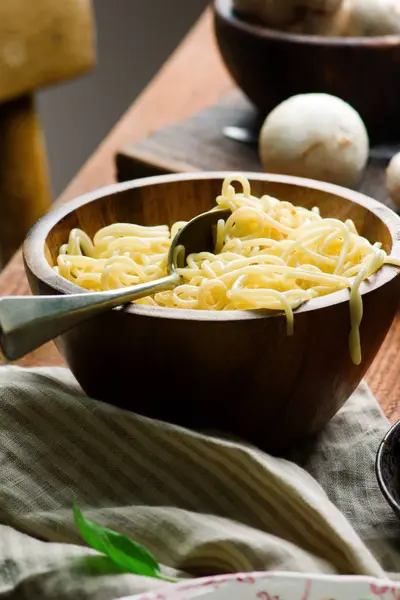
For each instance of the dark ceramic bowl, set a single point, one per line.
(388, 467)
(270, 66)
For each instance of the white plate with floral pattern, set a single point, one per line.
(277, 586)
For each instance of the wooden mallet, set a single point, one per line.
(42, 42)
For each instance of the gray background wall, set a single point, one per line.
(134, 37)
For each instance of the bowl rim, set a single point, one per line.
(378, 468)
(224, 10)
(36, 262)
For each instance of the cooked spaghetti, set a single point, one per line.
(269, 254)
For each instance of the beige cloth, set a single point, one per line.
(201, 504)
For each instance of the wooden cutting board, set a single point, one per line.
(199, 144)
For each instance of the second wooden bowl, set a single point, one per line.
(233, 371)
(270, 66)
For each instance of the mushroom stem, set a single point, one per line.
(24, 184)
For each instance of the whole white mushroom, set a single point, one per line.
(316, 136)
(393, 179)
(372, 18)
(283, 14)
(331, 24)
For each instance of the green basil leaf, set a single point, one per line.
(119, 548)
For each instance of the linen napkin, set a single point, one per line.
(202, 504)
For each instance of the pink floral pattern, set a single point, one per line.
(385, 592)
(277, 586)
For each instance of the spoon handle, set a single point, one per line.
(27, 322)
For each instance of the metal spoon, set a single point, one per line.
(27, 322)
(245, 135)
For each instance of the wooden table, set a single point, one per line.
(192, 79)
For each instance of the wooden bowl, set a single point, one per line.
(270, 66)
(235, 371)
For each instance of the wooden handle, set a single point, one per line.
(24, 183)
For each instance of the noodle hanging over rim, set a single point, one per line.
(269, 254)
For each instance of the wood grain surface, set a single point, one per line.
(164, 102)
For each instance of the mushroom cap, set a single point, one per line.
(317, 136)
(285, 13)
(393, 179)
(373, 18)
(328, 23)
(43, 42)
